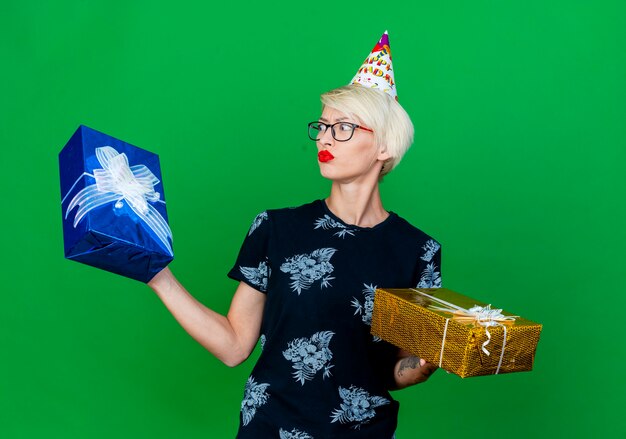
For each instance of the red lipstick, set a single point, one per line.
(325, 156)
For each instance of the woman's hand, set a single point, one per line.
(411, 370)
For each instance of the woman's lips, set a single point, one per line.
(325, 156)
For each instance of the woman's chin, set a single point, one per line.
(334, 174)
(328, 172)
(324, 172)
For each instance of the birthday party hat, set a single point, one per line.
(377, 70)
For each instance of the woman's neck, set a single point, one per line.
(359, 205)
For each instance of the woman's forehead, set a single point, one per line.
(330, 114)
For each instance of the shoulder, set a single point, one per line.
(409, 233)
(295, 214)
(286, 220)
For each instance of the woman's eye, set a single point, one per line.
(321, 126)
(345, 127)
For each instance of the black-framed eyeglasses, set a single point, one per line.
(341, 131)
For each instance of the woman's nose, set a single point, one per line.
(326, 138)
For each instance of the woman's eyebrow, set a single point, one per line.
(323, 119)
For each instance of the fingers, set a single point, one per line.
(429, 368)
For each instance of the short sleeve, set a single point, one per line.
(429, 272)
(252, 265)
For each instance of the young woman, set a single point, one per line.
(307, 277)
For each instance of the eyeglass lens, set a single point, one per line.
(340, 131)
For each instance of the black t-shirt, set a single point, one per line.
(321, 374)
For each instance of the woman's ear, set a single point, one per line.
(383, 155)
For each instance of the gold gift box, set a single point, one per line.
(412, 319)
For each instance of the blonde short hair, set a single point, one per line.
(393, 129)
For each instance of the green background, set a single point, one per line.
(517, 168)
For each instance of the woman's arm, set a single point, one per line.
(410, 370)
(230, 338)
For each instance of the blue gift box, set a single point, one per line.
(113, 204)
